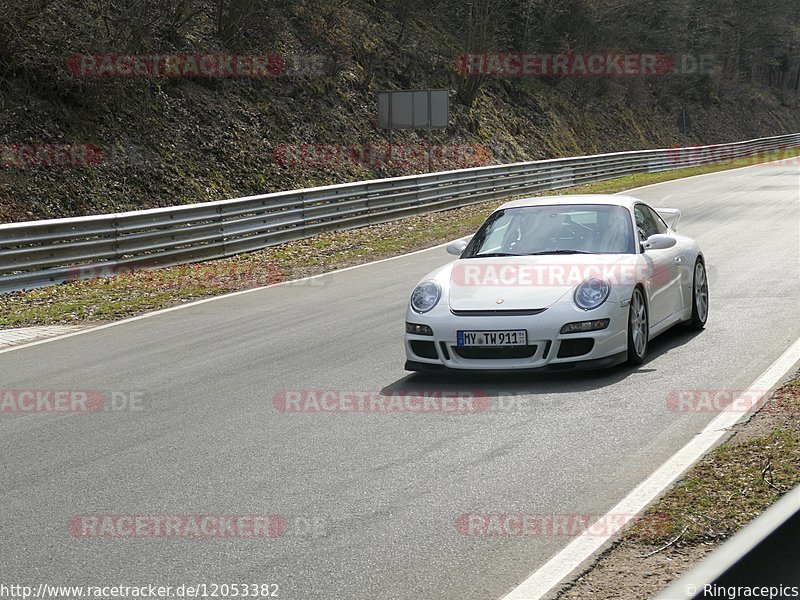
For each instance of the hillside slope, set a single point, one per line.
(171, 140)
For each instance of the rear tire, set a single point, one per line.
(699, 297)
(638, 328)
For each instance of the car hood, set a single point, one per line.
(526, 282)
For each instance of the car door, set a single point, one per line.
(675, 291)
(664, 266)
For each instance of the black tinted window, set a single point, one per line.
(645, 222)
(661, 227)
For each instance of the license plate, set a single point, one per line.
(511, 337)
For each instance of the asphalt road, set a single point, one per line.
(381, 491)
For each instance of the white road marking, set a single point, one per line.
(581, 549)
(11, 337)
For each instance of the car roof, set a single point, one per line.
(613, 199)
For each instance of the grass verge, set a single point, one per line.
(129, 294)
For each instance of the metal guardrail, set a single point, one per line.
(765, 554)
(38, 253)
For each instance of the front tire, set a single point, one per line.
(699, 297)
(638, 328)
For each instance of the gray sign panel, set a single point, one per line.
(440, 108)
(413, 109)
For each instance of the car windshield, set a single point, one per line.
(554, 229)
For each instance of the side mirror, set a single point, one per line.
(456, 248)
(659, 241)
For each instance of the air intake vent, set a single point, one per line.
(497, 353)
(498, 313)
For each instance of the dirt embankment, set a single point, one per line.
(158, 141)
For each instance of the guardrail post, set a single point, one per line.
(115, 226)
(221, 229)
(303, 211)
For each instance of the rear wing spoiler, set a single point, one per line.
(671, 216)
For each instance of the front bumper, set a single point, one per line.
(547, 347)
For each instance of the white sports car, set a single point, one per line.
(559, 282)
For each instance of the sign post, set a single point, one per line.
(414, 109)
(684, 122)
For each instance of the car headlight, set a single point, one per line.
(592, 293)
(425, 296)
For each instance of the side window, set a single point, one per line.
(661, 227)
(644, 222)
